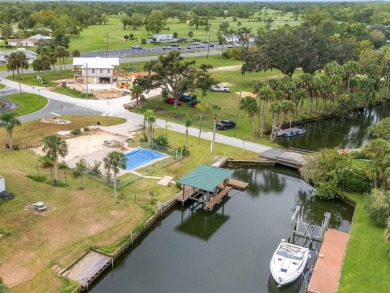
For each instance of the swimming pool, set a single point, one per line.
(140, 157)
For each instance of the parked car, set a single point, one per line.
(137, 47)
(189, 47)
(219, 88)
(225, 124)
(194, 103)
(171, 101)
(229, 46)
(187, 97)
(212, 44)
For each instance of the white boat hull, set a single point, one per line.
(288, 263)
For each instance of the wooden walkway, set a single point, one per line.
(233, 183)
(287, 157)
(325, 277)
(210, 205)
(85, 270)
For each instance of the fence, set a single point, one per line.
(67, 175)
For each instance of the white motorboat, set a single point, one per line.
(288, 262)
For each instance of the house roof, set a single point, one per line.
(96, 62)
(205, 177)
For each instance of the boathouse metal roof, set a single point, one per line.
(205, 177)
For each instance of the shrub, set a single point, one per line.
(95, 169)
(378, 207)
(58, 183)
(161, 141)
(184, 151)
(86, 128)
(143, 41)
(356, 180)
(76, 173)
(62, 165)
(15, 147)
(37, 178)
(76, 131)
(46, 161)
(357, 154)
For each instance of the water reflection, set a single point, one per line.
(341, 131)
(227, 250)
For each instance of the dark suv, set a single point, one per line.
(225, 124)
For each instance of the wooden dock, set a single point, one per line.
(188, 192)
(261, 162)
(216, 199)
(326, 273)
(233, 183)
(86, 269)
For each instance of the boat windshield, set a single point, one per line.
(296, 255)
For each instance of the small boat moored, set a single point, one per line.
(288, 262)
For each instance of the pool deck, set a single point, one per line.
(326, 273)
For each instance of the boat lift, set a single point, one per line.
(301, 229)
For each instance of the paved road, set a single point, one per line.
(114, 107)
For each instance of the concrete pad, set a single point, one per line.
(165, 180)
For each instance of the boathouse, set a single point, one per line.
(207, 185)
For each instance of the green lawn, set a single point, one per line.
(110, 36)
(27, 103)
(50, 78)
(366, 266)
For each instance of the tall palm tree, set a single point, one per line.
(249, 105)
(201, 107)
(215, 109)
(8, 121)
(150, 120)
(136, 93)
(55, 146)
(114, 161)
(187, 123)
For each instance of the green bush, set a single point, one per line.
(161, 141)
(76, 131)
(86, 128)
(143, 41)
(357, 154)
(184, 151)
(15, 147)
(37, 178)
(3, 288)
(62, 165)
(356, 180)
(378, 207)
(57, 184)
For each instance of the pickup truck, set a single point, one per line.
(225, 124)
(219, 88)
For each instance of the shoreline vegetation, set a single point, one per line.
(307, 61)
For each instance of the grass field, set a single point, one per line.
(366, 266)
(27, 103)
(35, 244)
(50, 78)
(110, 36)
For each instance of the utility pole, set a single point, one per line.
(107, 45)
(208, 48)
(238, 109)
(86, 69)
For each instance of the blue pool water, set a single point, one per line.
(141, 156)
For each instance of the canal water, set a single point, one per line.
(228, 249)
(345, 132)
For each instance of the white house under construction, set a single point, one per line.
(94, 70)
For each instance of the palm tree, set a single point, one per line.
(214, 109)
(201, 107)
(150, 120)
(54, 147)
(249, 105)
(114, 161)
(8, 121)
(187, 123)
(136, 93)
(387, 230)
